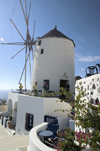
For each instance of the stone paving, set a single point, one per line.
(12, 142)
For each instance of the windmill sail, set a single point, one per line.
(28, 43)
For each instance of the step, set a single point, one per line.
(22, 148)
(10, 131)
(10, 137)
(12, 143)
(3, 137)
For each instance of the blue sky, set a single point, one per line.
(77, 19)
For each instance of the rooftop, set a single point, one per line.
(56, 33)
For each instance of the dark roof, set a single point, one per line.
(56, 33)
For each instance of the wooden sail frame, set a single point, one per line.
(28, 43)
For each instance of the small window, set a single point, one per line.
(93, 86)
(42, 51)
(39, 42)
(92, 101)
(29, 122)
(91, 93)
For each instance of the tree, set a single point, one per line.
(3, 101)
(87, 116)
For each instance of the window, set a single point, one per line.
(91, 93)
(42, 51)
(29, 121)
(93, 86)
(92, 101)
(47, 81)
(39, 42)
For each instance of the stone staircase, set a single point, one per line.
(22, 149)
(12, 142)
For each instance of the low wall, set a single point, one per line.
(63, 122)
(34, 143)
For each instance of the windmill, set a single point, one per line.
(28, 43)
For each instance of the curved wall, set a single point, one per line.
(34, 142)
(57, 59)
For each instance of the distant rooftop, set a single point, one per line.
(56, 33)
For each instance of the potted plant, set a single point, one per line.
(10, 115)
(9, 124)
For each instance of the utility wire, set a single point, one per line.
(9, 64)
(11, 38)
(13, 9)
(3, 48)
(12, 55)
(11, 18)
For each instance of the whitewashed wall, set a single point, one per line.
(12, 97)
(38, 107)
(34, 143)
(32, 105)
(57, 59)
(52, 104)
(87, 84)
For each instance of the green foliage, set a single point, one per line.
(50, 94)
(3, 101)
(67, 142)
(35, 93)
(87, 116)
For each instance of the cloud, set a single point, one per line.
(1, 39)
(82, 69)
(87, 58)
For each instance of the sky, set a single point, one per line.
(77, 19)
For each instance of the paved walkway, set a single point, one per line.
(12, 142)
(3, 108)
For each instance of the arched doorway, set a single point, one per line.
(9, 107)
(15, 113)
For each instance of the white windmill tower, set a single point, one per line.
(28, 43)
(54, 61)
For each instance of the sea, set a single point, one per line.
(4, 94)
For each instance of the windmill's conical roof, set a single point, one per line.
(56, 33)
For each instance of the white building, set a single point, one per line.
(91, 87)
(29, 111)
(54, 61)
